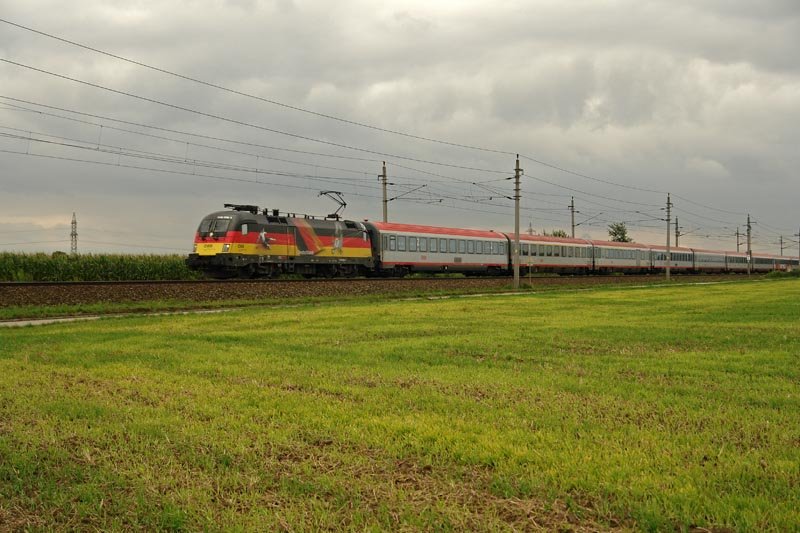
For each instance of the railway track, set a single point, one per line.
(233, 281)
(79, 293)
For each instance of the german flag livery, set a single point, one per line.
(247, 243)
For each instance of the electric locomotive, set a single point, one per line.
(247, 242)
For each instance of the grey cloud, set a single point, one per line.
(690, 96)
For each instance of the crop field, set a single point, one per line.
(655, 408)
(92, 267)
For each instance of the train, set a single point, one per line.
(245, 241)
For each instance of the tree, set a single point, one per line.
(555, 233)
(618, 232)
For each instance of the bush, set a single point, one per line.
(782, 275)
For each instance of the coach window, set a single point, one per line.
(401, 243)
(549, 250)
(453, 248)
(392, 243)
(385, 242)
(470, 247)
(443, 246)
(412, 244)
(423, 244)
(434, 248)
(556, 251)
(478, 247)
(462, 246)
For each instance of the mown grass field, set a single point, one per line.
(650, 409)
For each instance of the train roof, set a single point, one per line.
(718, 252)
(435, 230)
(547, 238)
(662, 248)
(616, 244)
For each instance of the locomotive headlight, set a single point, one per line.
(226, 247)
(194, 248)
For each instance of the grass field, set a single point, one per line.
(653, 408)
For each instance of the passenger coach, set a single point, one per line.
(406, 248)
(553, 254)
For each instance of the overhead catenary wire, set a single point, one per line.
(588, 177)
(32, 242)
(259, 98)
(218, 139)
(538, 161)
(223, 178)
(240, 122)
(274, 102)
(588, 194)
(168, 158)
(172, 159)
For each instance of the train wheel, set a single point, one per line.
(247, 271)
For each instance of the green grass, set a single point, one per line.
(654, 409)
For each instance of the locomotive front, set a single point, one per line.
(247, 243)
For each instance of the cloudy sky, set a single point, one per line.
(613, 102)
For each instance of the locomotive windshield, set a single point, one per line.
(216, 226)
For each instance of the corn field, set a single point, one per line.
(91, 267)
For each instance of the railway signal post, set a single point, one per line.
(515, 256)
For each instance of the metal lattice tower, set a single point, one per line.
(74, 236)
